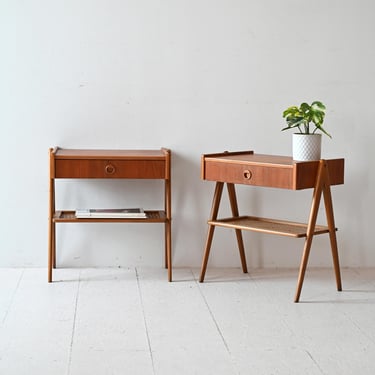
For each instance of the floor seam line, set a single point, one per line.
(13, 296)
(315, 362)
(74, 324)
(363, 332)
(145, 320)
(215, 321)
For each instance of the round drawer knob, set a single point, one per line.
(247, 174)
(110, 169)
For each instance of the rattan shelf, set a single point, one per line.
(69, 217)
(271, 226)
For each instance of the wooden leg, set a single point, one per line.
(211, 228)
(169, 249)
(166, 246)
(332, 231)
(310, 228)
(167, 243)
(235, 213)
(168, 229)
(53, 245)
(51, 231)
(50, 252)
(302, 269)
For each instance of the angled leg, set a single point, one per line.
(234, 207)
(332, 229)
(311, 226)
(211, 228)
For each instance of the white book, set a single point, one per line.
(110, 213)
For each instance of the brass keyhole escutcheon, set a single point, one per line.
(247, 174)
(110, 169)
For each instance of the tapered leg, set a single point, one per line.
(302, 269)
(211, 228)
(332, 231)
(310, 228)
(235, 213)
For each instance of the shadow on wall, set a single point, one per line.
(189, 207)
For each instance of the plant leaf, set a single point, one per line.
(306, 115)
(318, 105)
(304, 107)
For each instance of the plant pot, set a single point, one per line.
(307, 147)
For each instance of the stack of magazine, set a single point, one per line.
(110, 213)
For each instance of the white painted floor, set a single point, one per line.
(132, 321)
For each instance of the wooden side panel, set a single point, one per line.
(306, 173)
(336, 169)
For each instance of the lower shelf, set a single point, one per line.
(69, 217)
(264, 225)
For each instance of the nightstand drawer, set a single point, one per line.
(248, 174)
(267, 170)
(99, 168)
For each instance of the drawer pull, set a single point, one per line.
(247, 174)
(110, 169)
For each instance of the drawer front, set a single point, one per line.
(256, 175)
(92, 168)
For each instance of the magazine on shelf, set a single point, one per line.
(132, 213)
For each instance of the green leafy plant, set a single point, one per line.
(307, 118)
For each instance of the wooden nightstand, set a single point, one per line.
(109, 164)
(247, 168)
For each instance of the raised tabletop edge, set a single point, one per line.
(71, 153)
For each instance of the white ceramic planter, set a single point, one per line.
(307, 147)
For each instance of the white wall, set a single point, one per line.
(196, 76)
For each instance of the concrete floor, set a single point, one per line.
(132, 321)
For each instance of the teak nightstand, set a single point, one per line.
(248, 168)
(109, 164)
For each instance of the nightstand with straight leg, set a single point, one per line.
(109, 164)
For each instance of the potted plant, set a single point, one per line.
(307, 119)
